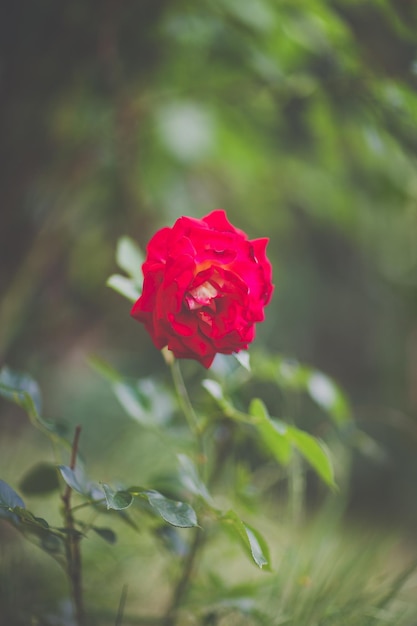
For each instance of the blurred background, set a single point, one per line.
(298, 118)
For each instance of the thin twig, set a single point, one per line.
(182, 585)
(121, 608)
(72, 544)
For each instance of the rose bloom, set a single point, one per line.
(205, 286)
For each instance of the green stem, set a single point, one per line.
(297, 489)
(188, 410)
(189, 565)
(184, 399)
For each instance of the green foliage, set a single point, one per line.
(253, 542)
(129, 258)
(42, 478)
(24, 391)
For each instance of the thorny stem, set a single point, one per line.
(72, 543)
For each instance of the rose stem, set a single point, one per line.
(187, 407)
(72, 546)
(189, 413)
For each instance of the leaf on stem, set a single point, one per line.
(129, 258)
(8, 500)
(273, 433)
(24, 391)
(124, 286)
(280, 438)
(105, 533)
(178, 514)
(191, 480)
(77, 480)
(142, 400)
(251, 539)
(117, 500)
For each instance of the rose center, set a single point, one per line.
(201, 296)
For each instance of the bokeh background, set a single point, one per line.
(298, 118)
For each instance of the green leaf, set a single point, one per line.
(24, 391)
(190, 479)
(280, 438)
(40, 479)
(143, 401)
(125, 286)
(273, 433)
(129, 258)
(314, 452)
(178, 514)
(75, 479)
(329, 396)
(243, 359)
(21, 389)
(252, 541)
(106, 533)
(9, 499)
(117, 500)
(28, 519)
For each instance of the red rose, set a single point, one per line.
(205, 285)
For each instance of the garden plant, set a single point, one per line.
(200, 292)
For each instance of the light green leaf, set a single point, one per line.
(253, 543)
(243, 359)
(190, 479)
(129, 258)
(329, 396)
(274, 433)
(143, 400)
(125, 286)
(117, 500)
(213, 388)
(314, 452)
(75, 479)
(178, 514)
(280, 437)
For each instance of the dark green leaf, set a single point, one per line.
(106, 533)
(117, 500)
(253, 543)
(175, 513)
(28, 519)
(51, 543)
(8, 500)
(8, 497)
(40, 479)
